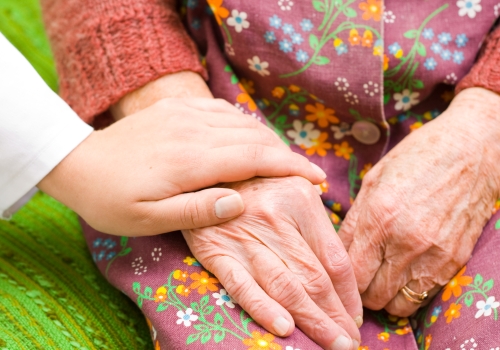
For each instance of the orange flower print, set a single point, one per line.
(386, 62)
(180, 275)
(428, 341)
(366, 168)
(278, 92)
(202, 281)
(321, 114)
(372, 8)
(248, 86)
(384, 336)
(324, 186)
(334, 218)
(455, 285)
(190, 261)
(354, 37)
(363, 348)
(319, 145)
(405, 330)
(160, 295)
(261, 342)
(183, 290)
(294, 88)
(157, 345)
(217, 9)
(496, 207)
(452, 312)
(415, 126)
(343, 150)
(367, 40)
(244, 97)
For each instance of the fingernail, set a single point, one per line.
(318, 170)
(359, 321)
(229, 206)
(355, 344)
(341, 343)
(281, 326)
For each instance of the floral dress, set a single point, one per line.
(341, 82)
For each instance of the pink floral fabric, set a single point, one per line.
(341, 82)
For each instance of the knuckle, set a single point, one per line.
(318, 285)
(254, 152)
(285, 289)
(193, 214)
(238, 286)
(339, 263)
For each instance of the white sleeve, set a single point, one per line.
(37, 129)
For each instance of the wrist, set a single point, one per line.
(178, 85)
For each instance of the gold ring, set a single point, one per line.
(414, 297)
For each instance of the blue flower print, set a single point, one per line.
(458, 57)
(341, 49)
(436, 48)
(446, 55)
(436, 311)
(288, 29)
(428, 33)
(110, 255)
(275, 22)
(109, 243)
(393, 48)
(430, 63)
(435, 113)
(286, 46)
(297, 38)
(461, 40)
(306, 25)
(270, 37)
(101, 255)
(402, 118)
(301, 56)
(444, 38)
(196, 24)
(192, 3)
(97, 242)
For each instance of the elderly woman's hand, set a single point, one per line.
(282, 261)
(422, 208)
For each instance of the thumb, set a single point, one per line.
(192, 210)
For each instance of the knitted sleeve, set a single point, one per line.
(486, 71)
(105, 49)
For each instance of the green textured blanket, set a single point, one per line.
(51, 294)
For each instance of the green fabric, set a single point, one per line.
(51, 294)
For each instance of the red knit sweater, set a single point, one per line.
(105, 49)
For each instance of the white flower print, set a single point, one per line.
(156, 253)
(186, 317)
(371, 88)
(451, 79)
(244, 111)
(496, 10)
(469, 344)
(290, 348)
(339, 131)
(238, 21)
(342, 84)
(138, 266)
(406, 99)
(389, 17)
(469, 7)
(285, 5)
(303, 134)
(257, 66)
(497, 348)
(351, 98)
(223, 298)
(486, 307)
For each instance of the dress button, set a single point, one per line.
(365, 132)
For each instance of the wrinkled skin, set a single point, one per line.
(282, 257)
(422, 208)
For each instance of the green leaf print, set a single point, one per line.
(205, 337)
(468, 300)
(421, 49)
(418, 84)
(219, 336)
(192, 338)
(349, 12)
(488, 285)
(321, 60)
(162, 307)
(478, 280)
(313, 41)
(319, 5)
(497, 225)
(218, 319)
(411, 34)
